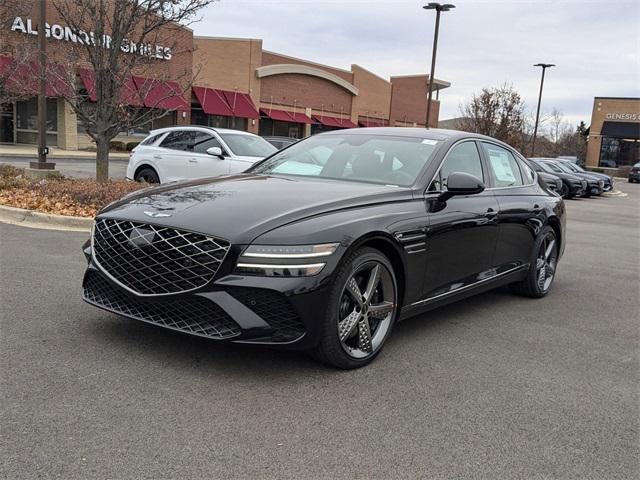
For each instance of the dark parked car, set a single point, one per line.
(607, 181)
(325, 252)
(634, 173)
(595, 184)
(572, 185)
(551, 181)
(281, 142)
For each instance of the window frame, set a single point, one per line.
(516, 156)
(444, 159)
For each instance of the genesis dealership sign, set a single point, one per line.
(60, 32)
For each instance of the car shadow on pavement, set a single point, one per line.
(167, 347)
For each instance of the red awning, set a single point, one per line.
(241, 104)
(373, 122)
(161, 94)
(88, 78)
(280, 115)
(212, 101)
(22, 78)
(128, 93)
(301, 118)
(335, 122)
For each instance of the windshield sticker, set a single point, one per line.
(428, 141)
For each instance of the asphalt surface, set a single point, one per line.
(494, 387)
(79, 168)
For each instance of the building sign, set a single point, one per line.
(60, 32)
(634, 117)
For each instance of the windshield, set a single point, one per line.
(551, 168)
(248, 145)
(389, 160)
(565, 168)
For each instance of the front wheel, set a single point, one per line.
(361, 311)
(542, 269)
(147, 175)
(564, 191)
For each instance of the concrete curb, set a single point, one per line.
(33, 219)
(60, 158)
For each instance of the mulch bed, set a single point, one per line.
(61, 196)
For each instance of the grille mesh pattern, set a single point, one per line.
(150, 259)
(194, 315)
(273, 308)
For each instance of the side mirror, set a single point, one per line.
(215, 151)
(459, 183)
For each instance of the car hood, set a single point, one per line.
(241, 207)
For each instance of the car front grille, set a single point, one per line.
(274, 308)
(194, 315)
(154, 260)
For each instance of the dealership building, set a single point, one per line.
(235, 83)
(614, 134)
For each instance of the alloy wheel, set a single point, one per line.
(546, 262)
(367, 306)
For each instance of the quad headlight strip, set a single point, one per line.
(284, 260)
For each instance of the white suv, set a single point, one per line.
(178, 153)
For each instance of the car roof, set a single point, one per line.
(419, 132)
(199, 127)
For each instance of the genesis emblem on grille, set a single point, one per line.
(141, 237)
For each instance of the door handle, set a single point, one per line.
(158, 157)
(491, 213)
(193, 160)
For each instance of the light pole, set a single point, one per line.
(535, 128)
(438, 8)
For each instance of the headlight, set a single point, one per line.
(284, 260)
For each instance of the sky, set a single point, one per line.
(482, 43)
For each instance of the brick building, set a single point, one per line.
(235, 84)
(614, 134)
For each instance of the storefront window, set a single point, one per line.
(198, 117)
(619, 152)
(277, 128)
(167, 120)
(27, 121)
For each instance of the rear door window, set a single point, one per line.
(178, 140)
(503, 166)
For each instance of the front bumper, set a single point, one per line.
(283, 312)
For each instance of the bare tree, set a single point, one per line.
(15, 59)
(120, 39)
(497, 112)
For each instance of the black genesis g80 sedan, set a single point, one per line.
(326, 244)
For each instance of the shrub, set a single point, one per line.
(132, 145)
(117, 146)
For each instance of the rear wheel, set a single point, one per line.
(542, 268)
(147, 175)
(362, 309)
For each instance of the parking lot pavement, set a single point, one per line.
(78, 168)
(496, 386)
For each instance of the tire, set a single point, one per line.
(363, 333)
(543, 264)
(147, 175)
(564, 191)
